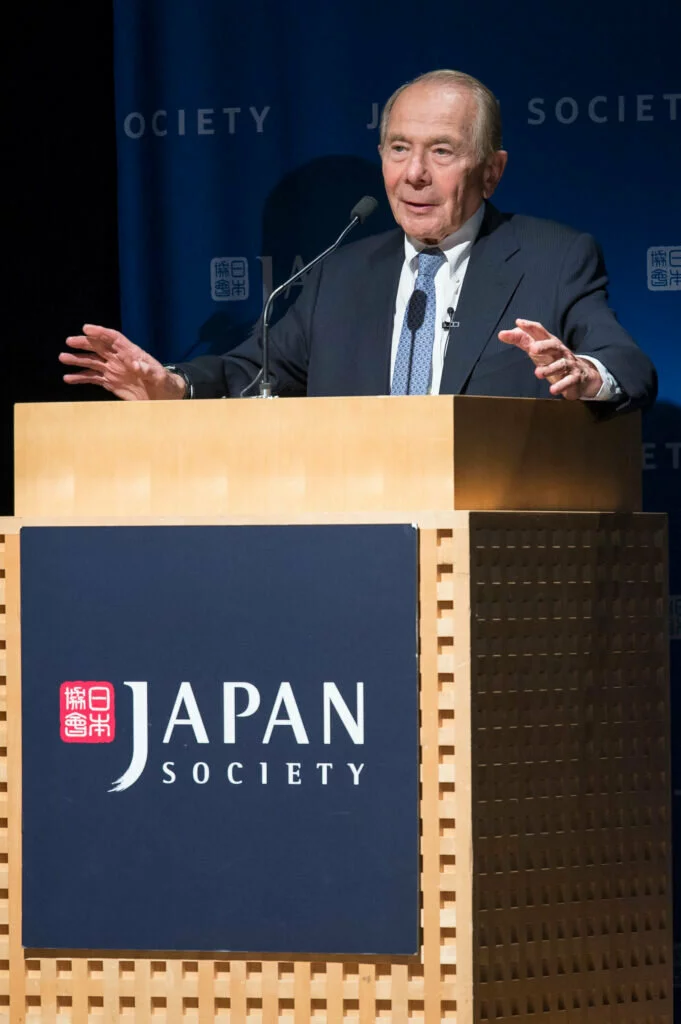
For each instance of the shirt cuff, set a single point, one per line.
(610, 389)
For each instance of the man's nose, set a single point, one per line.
(417, 169)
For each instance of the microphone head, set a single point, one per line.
(364, 208)
(416, 310)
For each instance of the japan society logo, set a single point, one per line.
(87, 712)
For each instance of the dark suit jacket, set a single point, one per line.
(336, 338)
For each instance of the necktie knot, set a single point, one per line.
(430, 261)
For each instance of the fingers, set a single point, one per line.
(564, 376)
(527, 334)
(91, 343)
(103, 335)
(559, 368)
(94, 338)
(106, 349)
(86, 377)
(550, 349)
(90, 362)
(554, 362)
(540, 352)
(536, 330)
(105, 341)
(80, 341)
(567, 384)
(516, 336)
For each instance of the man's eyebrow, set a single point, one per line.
(434, 140)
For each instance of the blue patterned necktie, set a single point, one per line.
(411, 375)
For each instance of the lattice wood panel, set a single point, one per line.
(543, 809)
(571, 783)
(4, 845)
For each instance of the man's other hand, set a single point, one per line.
(569, 375)
(112, 361)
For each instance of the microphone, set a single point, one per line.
(416, 310)
(448, 322)
(359, 213)
(416, 313)
(363, 209)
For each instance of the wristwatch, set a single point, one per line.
(188, 386)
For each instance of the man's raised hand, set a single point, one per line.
(112, 361)
(569, 375)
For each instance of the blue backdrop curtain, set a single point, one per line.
(247, 132)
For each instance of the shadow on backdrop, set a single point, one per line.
(302, 216)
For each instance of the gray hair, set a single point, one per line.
(487, 126)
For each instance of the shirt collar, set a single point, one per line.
(454, 245)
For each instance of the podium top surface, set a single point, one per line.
(288, 457)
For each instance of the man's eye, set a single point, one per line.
(443, 151)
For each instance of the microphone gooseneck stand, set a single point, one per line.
(363, 209)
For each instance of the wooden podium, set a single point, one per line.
(545, 806)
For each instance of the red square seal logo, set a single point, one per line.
(87, 712)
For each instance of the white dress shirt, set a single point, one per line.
(448, 283)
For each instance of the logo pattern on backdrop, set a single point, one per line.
(229, 280)
(200, 121)
(605, 109)
(664, 268)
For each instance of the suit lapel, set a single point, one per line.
(491, 279)
(375, 305)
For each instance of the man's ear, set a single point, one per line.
(492, 172)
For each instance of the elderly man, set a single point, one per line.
(479, 274)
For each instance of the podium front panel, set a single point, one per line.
(545, 802)
(227, 717)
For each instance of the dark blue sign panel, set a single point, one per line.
(220, 738)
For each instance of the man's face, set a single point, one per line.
(433, 177)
